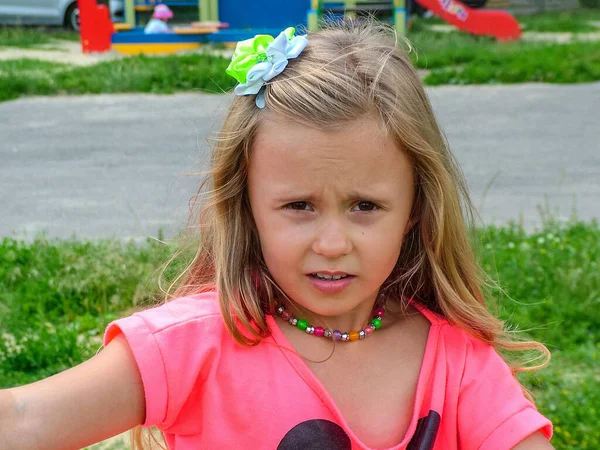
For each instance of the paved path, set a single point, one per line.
(123, 165)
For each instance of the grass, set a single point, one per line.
(512, 63)
(34, 37)
(449, 58)
(158, 75)
(575, 21)
(56, 298)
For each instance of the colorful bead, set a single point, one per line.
(336, 335)
(379, 312)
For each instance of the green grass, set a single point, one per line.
(575, 21)
(158, 75)
(452, 58)
(31, 37)
(56, 297)
(512, 63)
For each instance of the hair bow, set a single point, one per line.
(256, 61)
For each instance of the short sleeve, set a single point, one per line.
(493, 412)
(165, 345)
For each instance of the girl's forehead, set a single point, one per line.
(357, 152)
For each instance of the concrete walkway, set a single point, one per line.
(125, 166)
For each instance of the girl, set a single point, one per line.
(158, 23)
(334, 301)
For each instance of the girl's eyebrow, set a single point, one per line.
(311, 197)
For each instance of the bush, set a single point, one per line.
(590, 3)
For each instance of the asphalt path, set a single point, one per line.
(125, 166)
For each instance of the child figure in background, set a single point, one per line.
(158, 23)
(334, 301)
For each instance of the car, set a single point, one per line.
(49, 12)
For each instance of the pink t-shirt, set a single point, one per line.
(205, 391)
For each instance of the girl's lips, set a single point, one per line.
(332, 286)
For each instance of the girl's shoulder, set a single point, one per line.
(194, 312)
(458, 343)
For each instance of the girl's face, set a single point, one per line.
(333, 203)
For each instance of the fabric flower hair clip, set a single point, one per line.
(258, 60)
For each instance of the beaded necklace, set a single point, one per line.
(336, 335)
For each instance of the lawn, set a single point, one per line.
(444, 57)
(56, 298)
(576, 21)
(34, 37)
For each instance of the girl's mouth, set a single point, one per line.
(325, 277)
(330, 284)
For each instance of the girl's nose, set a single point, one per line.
(332, 240)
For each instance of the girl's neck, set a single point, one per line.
(353, 320)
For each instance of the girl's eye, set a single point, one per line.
(365, 206)
(297, 206)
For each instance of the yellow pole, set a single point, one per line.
(350, 9)
(214, 11)
(313, 15)
(130, 13)
(400, 16)
(204, 11)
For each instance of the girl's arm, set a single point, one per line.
(91, 402)
(536, 441)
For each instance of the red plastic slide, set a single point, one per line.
(475, 21)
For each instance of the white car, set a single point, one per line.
(49, 12)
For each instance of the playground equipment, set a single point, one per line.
(96, 29)
(499, 24)
(230, 21)
(350, 7)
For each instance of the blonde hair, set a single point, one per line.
(347, 71)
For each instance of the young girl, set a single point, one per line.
(158, 23)
(334, 301)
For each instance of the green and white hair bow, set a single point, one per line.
(258, 60)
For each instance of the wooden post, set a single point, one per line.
(350, 9)
(130, 13)
(314, 14)
(400, 16)
(204, 10)
(215, 11)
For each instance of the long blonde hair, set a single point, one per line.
(347, 71)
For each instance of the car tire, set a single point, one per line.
(72, 17)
